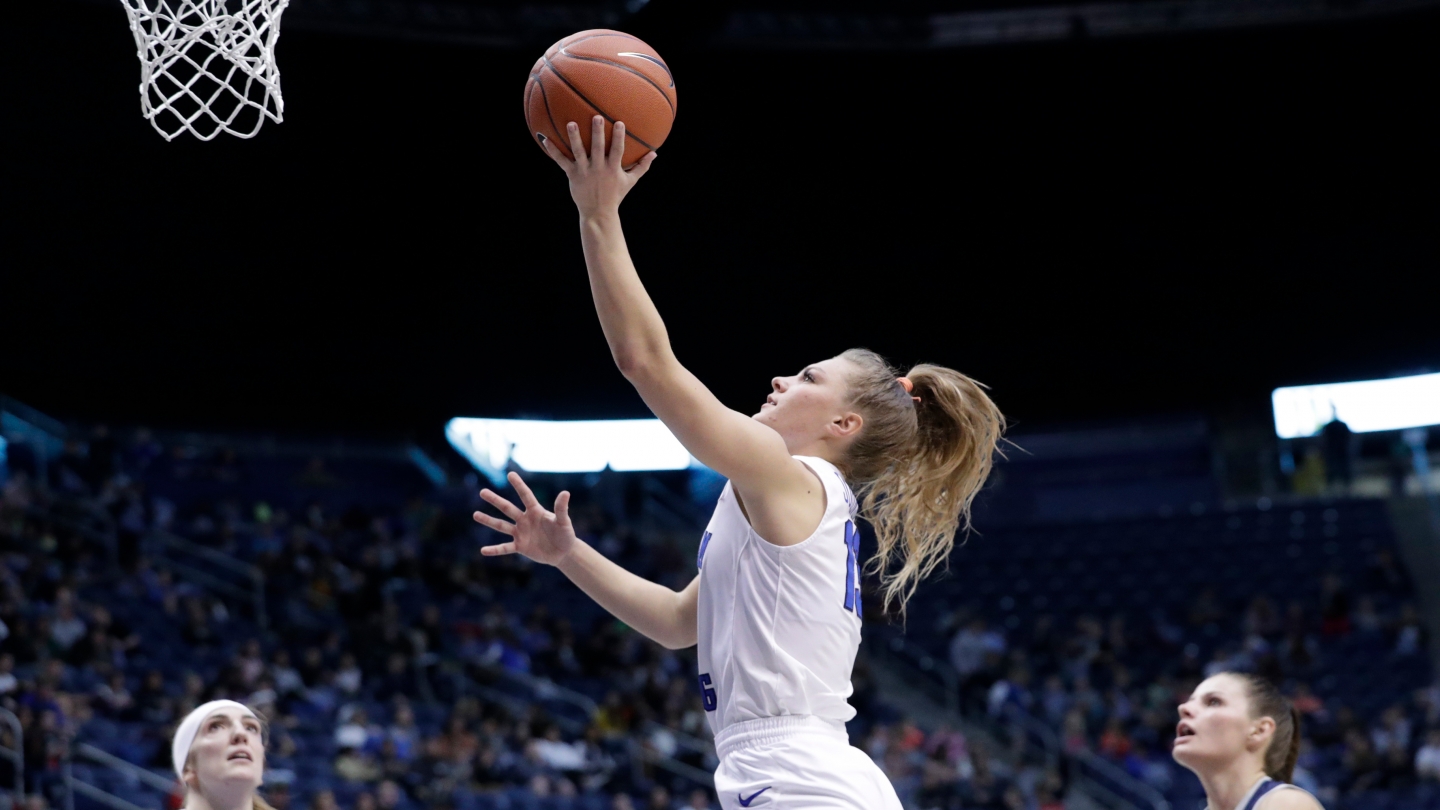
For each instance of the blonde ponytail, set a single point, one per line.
(920, 459)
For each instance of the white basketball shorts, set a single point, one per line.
(797, 763)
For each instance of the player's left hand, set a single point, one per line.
(598, 180)
(543, 536)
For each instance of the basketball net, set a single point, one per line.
(205, 69)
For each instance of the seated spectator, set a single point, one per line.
(152, 704)
(1114, 742)
(66, 627)
(455, 743)
(356, 732)
(324, 800)
(122, 638)
(1392, 731)
(354, 765)
(1427, 759)
(389, 762)
(404, 733)
(1306, 702)
(970, 646)
(1362, 767)
(288, 682)
(114, 700)
(1410, 634)
(389, 796)
(8, 682)
(556, 754)
(348, 677)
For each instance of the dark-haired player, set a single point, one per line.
(1242, 737)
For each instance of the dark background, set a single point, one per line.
(1097, 229)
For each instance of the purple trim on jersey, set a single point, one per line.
(1269, 785)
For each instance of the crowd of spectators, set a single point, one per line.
(396, 665)
(1096, 682)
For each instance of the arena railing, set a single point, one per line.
(226, 576)
(22, 424)
(16, 755)
(540, 690)
(74, 786)
(1113, 786)
(1100, 780)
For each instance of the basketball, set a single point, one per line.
(608, 73)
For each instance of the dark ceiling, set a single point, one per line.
(1096, 228)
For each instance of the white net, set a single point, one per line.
(208, 66)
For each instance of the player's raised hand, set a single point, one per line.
(543, 536)
(599, 179)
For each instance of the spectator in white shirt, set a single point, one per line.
(1427, 759)
(970, 646)
(66, 628)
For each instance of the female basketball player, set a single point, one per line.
(776, 605)
(1241, 737)
(219, 754)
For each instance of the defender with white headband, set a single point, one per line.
(219, 754)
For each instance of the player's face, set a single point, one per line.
(228, 752)
(1215, 723)
(804, 406)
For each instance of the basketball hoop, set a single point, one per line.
(205, 68)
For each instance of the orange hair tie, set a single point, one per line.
(908, 386)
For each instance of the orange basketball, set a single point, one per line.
(602, 72)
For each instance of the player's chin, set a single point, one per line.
(1180, 753)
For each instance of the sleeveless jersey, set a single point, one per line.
(779, 626)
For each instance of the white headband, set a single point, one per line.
(190, 726)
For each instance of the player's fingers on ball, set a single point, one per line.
(642, 165)
(498, 550)
(577, 146)
(523, 490)
(554, 152)
(504, 527)
(506, 508)
(597, 140)
(617, 144)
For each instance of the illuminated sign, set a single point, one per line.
(1365, 406)
(556, 447)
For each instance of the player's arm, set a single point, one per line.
(751, 455)
(660, 614)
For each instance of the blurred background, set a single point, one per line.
(229, 369)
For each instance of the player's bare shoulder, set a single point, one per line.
(1289, 800)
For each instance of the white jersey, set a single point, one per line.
(779, 626)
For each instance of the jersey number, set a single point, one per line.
(707, 695)
(852, 574)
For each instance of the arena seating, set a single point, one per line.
(1098, 613)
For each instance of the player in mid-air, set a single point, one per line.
(219, 754)
(1242, 737)
(775, 608)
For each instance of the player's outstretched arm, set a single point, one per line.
(662, 615)
(750, 454)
